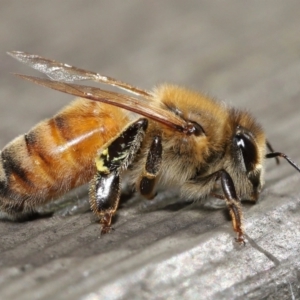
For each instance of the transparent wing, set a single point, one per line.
(127, 102)
(66, 73)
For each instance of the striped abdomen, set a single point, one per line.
(56, 155)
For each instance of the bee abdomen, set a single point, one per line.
(16, 176)
(32, 169)
(56, 155)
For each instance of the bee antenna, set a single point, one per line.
(272, 150)
(279, 154)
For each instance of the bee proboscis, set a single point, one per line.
(164, 138)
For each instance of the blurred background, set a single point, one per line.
(244, 53)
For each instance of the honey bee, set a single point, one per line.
(160, 139)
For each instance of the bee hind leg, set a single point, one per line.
(104, 197)
(105, 187)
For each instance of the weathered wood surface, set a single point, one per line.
(245, 53)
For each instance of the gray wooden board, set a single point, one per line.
(246, 53)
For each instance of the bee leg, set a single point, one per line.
(105, 187)
(230, 196)
(152, 167)
(104, 197)
(233, 204)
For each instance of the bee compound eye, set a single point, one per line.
(248, 149)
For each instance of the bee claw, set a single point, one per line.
(106, 229)
(240, 239)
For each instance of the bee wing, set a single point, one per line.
(66, 73)
(127, 102)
